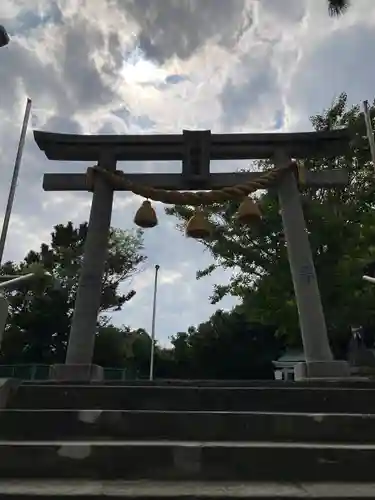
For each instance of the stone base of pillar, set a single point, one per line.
(76, 373)
(322, 369)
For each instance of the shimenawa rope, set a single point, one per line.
(199, 198)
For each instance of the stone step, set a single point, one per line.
(98, 425)
(176, 460)
(352, 382)
(265, 399)
(184, 490)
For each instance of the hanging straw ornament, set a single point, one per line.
(146, 216)
(198, 226)
(248, 212)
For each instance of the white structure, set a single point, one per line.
(284, 366)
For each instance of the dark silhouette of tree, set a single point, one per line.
(39, 318)
(337, 7)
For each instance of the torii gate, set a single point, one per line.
(195, 149)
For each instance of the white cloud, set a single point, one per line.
(170, 277)
(224, 65)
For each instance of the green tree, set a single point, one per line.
(136, 349)
(227, 346)
(342, 237)
(39, 319)
(337, 7)
(139, 349)
(110, 347)
(122, 347)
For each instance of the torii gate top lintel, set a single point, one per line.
(77, 147)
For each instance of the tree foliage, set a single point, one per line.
(122, 347)
(227, 346)
(39, 319)
(341, 231)
(338, 7)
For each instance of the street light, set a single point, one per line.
(4, 37)
(152, 352)
(369, 279)
(11, 282)
(369, 271)
(13, 184)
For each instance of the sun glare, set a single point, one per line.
(138, 70)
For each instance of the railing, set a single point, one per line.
(40, 372)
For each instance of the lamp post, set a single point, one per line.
(11, 282)
(368, 272)
(4, 37)
(152, 351)
(13, 185)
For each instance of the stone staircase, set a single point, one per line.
(193, 440)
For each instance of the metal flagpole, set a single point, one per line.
(13, 184)
(152, 352)
(370, 132)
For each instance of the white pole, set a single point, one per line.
(370, 132)
(13, 184)
(369, 279)
(17, 280)
(152, 352)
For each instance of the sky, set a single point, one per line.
(161, 66)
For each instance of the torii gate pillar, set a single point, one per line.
(78, 364)
(195, 150)
(319, 362)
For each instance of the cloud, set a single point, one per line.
(288, 12)
(258, 80)
(63, 125)
(180, 28)
(142, 66)
(356, 43)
